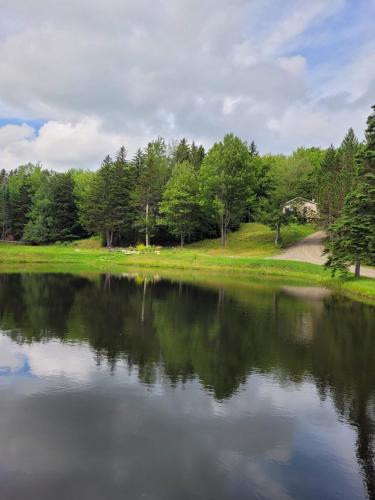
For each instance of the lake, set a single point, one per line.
(143, 388)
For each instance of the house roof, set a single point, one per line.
(298, 198)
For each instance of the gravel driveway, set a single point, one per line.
(310, 250)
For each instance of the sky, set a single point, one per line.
(80, 78)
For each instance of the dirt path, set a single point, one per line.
(310, 250)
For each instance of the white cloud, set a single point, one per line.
(101, 74)
(295, 65)
(59, 145)
(13, 133)
(310, 125)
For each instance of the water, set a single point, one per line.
(118, 387)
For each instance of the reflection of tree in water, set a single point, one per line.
(216, 335)
(36, 306)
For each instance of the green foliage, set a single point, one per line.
(149, 188)
(53, 216)
(294, 175)
(328, 190)
(178, 192)
(183, 151)
(227, 181)
(353, 234)
(180, 205)
(197, 154)
(276, 218)
(104, 206)
(336, 177)
(4, 205)
(23, 183)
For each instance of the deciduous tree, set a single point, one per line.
(179, 207)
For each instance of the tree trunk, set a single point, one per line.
(222, 231)
(109, 237)
(182, 240)
(330, 223)
(278, 234)
(357, 269)
(147, 235)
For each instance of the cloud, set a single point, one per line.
(14, 133)
(129, 71)
(59, 145)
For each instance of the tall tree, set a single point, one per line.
(179, 207)
(197, 154)
(226, 182)
(105, 207)
(54, 214)
(149, 188)
(182, 152)
(4, 205)
(23, 183)
(253, 149)
(347, 176)
(354, 232)
(329, 192)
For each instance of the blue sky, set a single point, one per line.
(35, 124)
(78, 79)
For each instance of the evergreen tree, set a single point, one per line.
(105, 208)
(197, 154)
(138, 163)
(329, 190)
(253, 149)
(347, 152)
(179, 207)
(121, 156)
(54, 214)
(4, 205)
(354, 232)
(23, 183)
(182, 152)
(150, 186)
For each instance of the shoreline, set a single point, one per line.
(181, 263)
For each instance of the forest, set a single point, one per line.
(170, 194)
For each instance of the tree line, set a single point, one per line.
(178, 192)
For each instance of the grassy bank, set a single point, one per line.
(246, 256)
(253, 240)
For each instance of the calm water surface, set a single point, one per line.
(122, 388)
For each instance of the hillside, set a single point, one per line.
(253, 240)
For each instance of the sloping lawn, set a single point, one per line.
(253, 240)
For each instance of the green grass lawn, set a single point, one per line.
(245, 256)
(253, 240)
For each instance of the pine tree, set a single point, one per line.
(4, 205)
(138, 163)
(182, 152)
(121, 156)
(253, 149)
(328, 191)
(106, 206)
(150, 186)
(197, 154)
(354, 232)
(346, 156)
(54, 213)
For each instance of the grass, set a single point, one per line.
(253, 240)
(246, 256)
